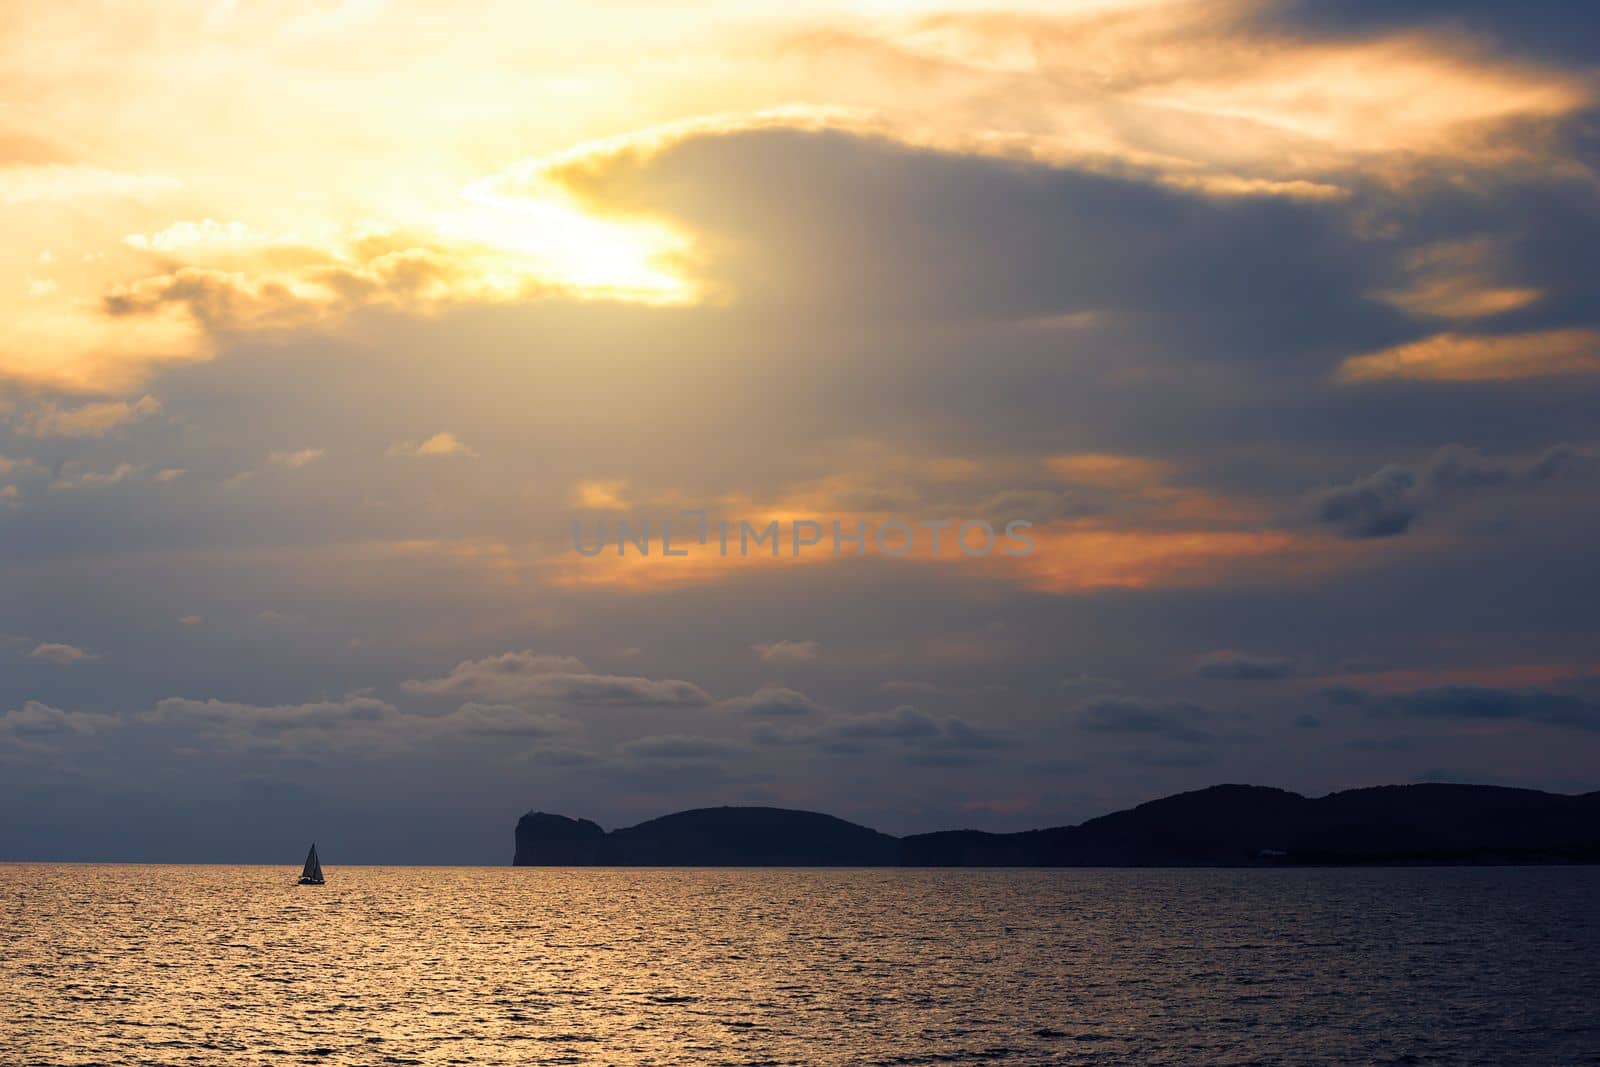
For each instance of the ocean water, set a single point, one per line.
(237, 965)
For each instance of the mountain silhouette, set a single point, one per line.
(1222, 826)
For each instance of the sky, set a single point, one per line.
(326, 325)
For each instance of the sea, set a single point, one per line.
(153, 965)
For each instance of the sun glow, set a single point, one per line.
(561, 245)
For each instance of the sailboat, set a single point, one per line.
(311, 874)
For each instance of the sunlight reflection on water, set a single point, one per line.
(199, 965)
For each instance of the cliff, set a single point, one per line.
(1225, 825)
(707, 837)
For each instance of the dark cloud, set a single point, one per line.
(774, 700)
(562, 757)
(900, 724)
(787, 651)
(874, 228)
(1344, 696)
(327, 715)
(1238, 666)
(1088, 683)
(1161, 759)
(958, 733)
(677, 746)
(1479, 702)
(1558, 30)
(1387, 502)
(502, 720)
(1382, 744)
(1126, 715)
(1459, 777)
(903, 725)
(940, 758)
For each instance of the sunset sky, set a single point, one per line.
(324, 322)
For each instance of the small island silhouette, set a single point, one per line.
(1221, 826)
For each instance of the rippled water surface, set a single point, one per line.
(237, 965)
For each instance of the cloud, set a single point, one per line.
(1382, 744)
(1088, 683)
(677, 746)
(189, 234)
(561, 757)
(1472, 702)
(1107, 471)
(787, 651)
(86, 420)
(1379, 505)
(360, 726)
(1549, 32)
(440, 444)
(1458, 280)
(191, 620)
(356, 723)
(75, 181)
(18, 466)
(228, 716)
(1452, 357)
(779, 735)
(514, 676)
(1185, 758)
(902, 723)
(63, 655)
(601, 496)
(911, 725)
(500, 720)
(1126, 715)
(1239, 107)
(1200, 538)
(37, 724)
(71, 477)
(899, 685)
(774, 700)
(476, 251)
(1238, 666)
(980, 236)
(959, 733)
(322, 283)
(1032, 505)
(294, 460)
(1163, 226)
(1086, 555)
(1387, 502)
(1238, 103)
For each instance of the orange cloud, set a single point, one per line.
(1457, 280)
(1085, 555)
(1453, 357)
(1108, 471)
(323, 141)
(601, 496)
